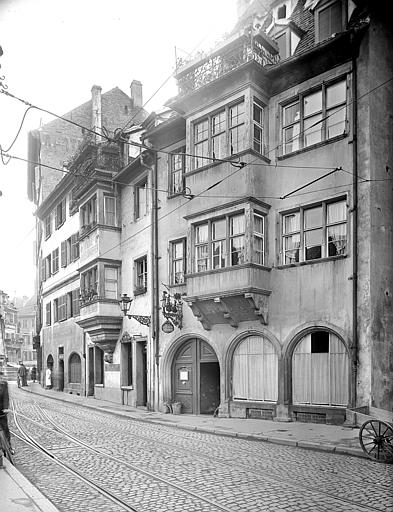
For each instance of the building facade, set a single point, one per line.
(251, 229)
(11, 341)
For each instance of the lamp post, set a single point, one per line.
(125, 304)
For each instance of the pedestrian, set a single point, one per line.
(33, 374)
(4, 404)
(22, 372)
(48, 378)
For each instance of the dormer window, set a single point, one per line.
(282, 12)
(330, 19)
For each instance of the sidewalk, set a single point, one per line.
(17, 494)
(329, 438)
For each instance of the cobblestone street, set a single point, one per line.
(152, 467)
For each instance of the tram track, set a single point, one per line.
(33, 443)
(224, 462)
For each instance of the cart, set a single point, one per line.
(376, 440)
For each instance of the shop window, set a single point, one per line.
(320, 370)
(255, 370)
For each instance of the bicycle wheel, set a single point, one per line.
(5, 447)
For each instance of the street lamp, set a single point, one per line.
(125, 304)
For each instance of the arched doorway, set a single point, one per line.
(320, 370)
(196, 377)
(49, 362)
(61, 375)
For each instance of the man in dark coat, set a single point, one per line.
(4, 404)
(22, 372)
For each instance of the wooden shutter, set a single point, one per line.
(75, 302)
(48, 313)
(55, 310)
(69, 305)
(42, 269)
(64, 253)
(63, 210)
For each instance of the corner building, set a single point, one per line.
(267, 226)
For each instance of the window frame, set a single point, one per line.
(55, 261)
(88, 213)
(172, 171)
(323, 7)
(48, 226)
(107, 280)
(108, 213)
(48, 313)
(323, 113)
(60, 213)
(140, 275)
(173, 260)
(302, 230)
(142, 184)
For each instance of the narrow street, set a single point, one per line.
(97, 461)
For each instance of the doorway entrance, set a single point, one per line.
(61, 375)
(196, 377)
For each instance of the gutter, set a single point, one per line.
(155, 287)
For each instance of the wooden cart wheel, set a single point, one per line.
(376, 440)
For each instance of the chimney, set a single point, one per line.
(96, 110)
(136, 94)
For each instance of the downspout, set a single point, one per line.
(354, 346)
(155, 298)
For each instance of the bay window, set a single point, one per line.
(314, 117)
(110, 282)
(314, 232)
(109, 211)
(221, 242)
(89, 213)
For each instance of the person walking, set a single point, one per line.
(33, 374)
(22, 372)
(48, 378)
(4, 405)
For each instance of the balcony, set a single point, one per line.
(97, 240)
(229, 295)
(227, 57)
(101, 319)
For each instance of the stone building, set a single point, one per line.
(77, 220)
(11, 346)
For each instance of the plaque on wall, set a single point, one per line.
(183, 375)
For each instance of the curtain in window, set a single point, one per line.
(320, 377)
(255, 370)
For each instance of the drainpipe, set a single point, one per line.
(354, 345)
(155, 288)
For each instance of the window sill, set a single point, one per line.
(178, 285)
(310, 262)
(48, 236)
(314, 146)
(177, 194)
(127, 388)
(229, 159)
(139, 291)
(59, 225)
(228, 269)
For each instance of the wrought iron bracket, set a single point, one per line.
(144, 320)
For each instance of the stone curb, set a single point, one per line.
(309, 445)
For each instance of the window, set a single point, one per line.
(111, 283)
(48, 267)
(177, 170)
(330, 20)
(109, 211)
(257, 118)
(282, 12)
(62, 308)
(315, 232)
(55, 261)
(89, 213)
(75, 246)
(48, 319)
(219, 243)
(259, 239)
(178, 261)
(219, 135)
(75, 302)
(320, 370)
(141, 200)
(314, 117)
(255, 370)
(75, 368)
(63, 254)
(55, 310)
(48, 226)
(141, 275)
(60, 214)
(89, 284)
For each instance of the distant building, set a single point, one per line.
(12, 343)
(27, 330)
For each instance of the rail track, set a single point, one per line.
(44, 421)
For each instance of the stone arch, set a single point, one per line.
(169, 359)
(235, 342)
(292, 341)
